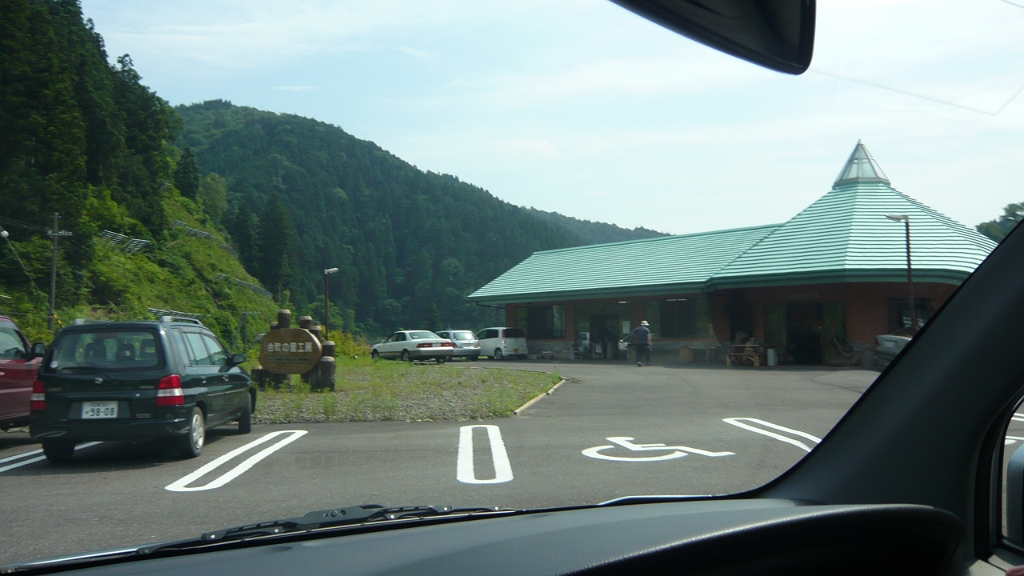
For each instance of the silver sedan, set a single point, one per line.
(466, 343)
(409, 345)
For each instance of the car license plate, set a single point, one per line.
(516, 351)
(99, 410)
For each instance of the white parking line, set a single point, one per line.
(464, 465)
(33, 460)
(779, 437)
(182, 485)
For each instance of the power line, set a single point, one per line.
(18, 224)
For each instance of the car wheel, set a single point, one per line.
(474, 358)
(58, 451)
(405, 356)
(245, 420)
(497, 354)
(192, 444)
(375, 355)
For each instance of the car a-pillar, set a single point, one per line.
(285, 350)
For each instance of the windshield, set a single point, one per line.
(108, 350)
(707, 262)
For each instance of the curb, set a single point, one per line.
(519, 411)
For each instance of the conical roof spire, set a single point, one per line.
(861, 167)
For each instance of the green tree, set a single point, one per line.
(998, 229)
(243, 231)
(275, 241)
(213, 192)
(433, 318)
(186, 175)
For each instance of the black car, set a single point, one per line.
(137, 381)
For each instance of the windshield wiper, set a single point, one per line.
(335, 517)
(323, 521)
(90, 367)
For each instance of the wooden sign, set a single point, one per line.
(289, 351)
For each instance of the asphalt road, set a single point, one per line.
(723, 431)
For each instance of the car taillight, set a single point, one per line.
(448, 344)
(38, 399)
(169, 392)
(425, 345)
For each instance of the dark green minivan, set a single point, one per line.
(134, 381)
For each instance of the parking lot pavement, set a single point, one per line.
(609, 431)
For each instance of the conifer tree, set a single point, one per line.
(275, 241)
(433, 318)
(186, 175)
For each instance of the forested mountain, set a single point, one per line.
(584, 232)
(87, 140)
(402, 238)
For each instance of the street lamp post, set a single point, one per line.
(327, 303)
(910, 270)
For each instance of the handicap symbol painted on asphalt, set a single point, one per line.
(626, 442)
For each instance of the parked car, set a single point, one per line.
(19, 363)
(887, 346)
(134, 381)
(502, 342)
(409, 345)
(466, 343)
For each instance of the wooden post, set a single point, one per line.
(284, 318)
(305, 322)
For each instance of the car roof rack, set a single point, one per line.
(169, 319)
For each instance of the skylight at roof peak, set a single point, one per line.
(861, 167)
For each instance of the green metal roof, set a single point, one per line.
(842, 237)
(665, 265)
(845, 235)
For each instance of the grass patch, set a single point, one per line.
(368, 390)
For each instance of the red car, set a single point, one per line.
(19, 364)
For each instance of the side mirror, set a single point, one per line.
(237, 359)
(38, 350)
(1015, 498)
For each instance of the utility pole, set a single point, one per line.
(327, 303)
(910, 269)
(245, 328)
(54, 233)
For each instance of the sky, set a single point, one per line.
(583, 108)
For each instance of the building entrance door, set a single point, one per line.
(604, 335)
(803, 333)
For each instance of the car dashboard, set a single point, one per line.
(704, 537)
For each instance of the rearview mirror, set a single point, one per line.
(237, 359)
(776, 34)
(38, 350)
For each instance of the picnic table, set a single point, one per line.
(751, 353)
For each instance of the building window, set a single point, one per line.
(678, 318)
(545, 322)
(899, 313)
(652, 314)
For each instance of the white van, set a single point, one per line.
(501, 342)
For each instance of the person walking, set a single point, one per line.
(642, 337)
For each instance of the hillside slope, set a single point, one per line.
(86, 139)
(403, 238)
(585, 232)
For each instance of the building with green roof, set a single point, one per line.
(817, 288)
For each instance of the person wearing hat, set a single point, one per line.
(642, 337)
